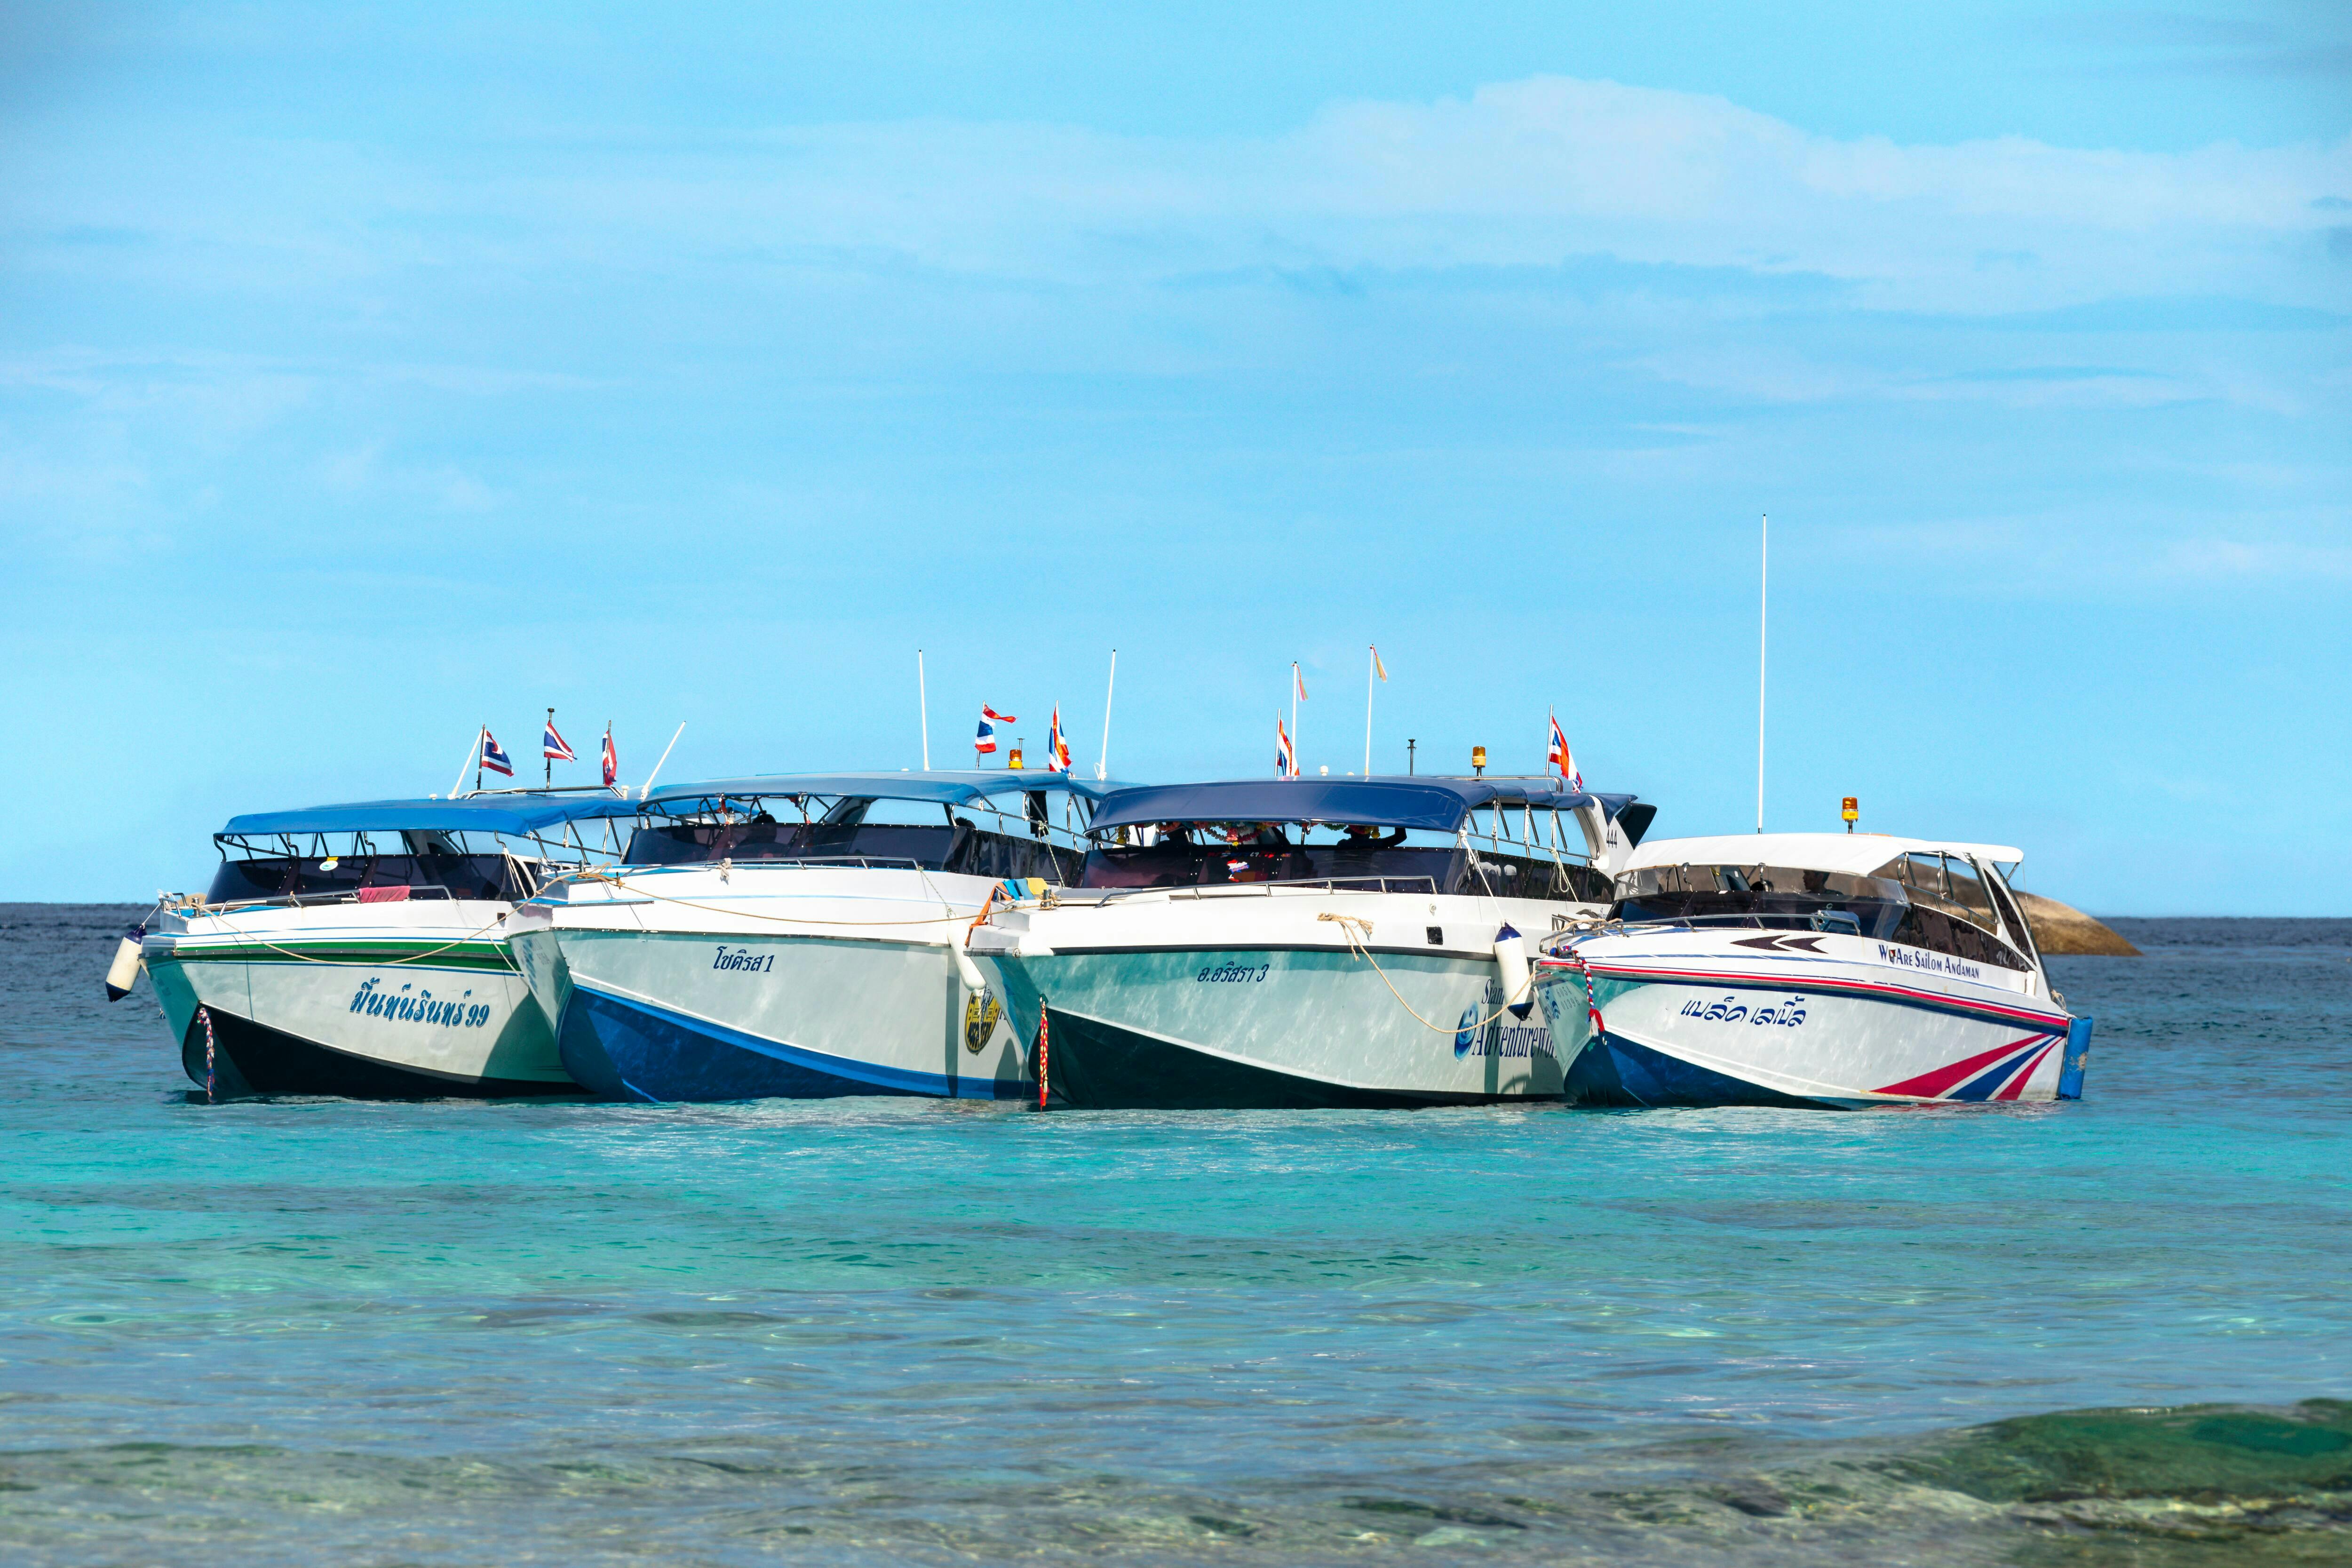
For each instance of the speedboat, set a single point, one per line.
(1306, 942)
(361, 949)
(1811, 969)
(798, 936)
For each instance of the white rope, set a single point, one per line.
(1347, 924)
(412, 958)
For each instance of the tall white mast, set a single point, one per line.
(1295, 684)
(923, 701)
(1763, 609)
(1102, 768)
(1372, 663)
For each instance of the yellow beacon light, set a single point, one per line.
(1852, 812)
(1478, 760)
(1013, 758)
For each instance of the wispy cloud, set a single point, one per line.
(1531, 173)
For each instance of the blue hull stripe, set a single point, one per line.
(626, 1048)
(1982, 1086)
(1615, 1070)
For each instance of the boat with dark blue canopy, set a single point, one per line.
(360, 948)
(1303, 943)
(799, 935)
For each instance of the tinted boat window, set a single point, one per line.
(1774, 896)
(1968, 890)
(763, 838)
(2019, 930)
(463, 876)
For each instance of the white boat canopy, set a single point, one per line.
(1851, 854)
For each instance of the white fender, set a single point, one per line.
(1511, 958)
(123, 973)
(973, 981)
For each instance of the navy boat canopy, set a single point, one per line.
(519, 813)
(1437, 805)
(940, 787)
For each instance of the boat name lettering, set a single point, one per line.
(1934, 963)
(1787, 1015)
(1231, 974)
(744, 959)
(1498, 1035)
(421, 1007)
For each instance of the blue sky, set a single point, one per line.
(366, 374)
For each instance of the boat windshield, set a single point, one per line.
(864, 831)
(1943, 915)
(1217, 854)
(370, 868)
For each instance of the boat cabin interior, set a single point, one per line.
(1490, 841)
(1925, 898)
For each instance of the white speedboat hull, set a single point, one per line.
(394, 1001)
(1683, 1016)
(1251, 997)
(785, 982)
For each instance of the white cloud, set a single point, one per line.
(1526, 173)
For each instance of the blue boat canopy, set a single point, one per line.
(521, 815)
(939, 786)
(1437, 805)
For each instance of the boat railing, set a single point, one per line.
(1837, 923)
(1294, 884)
(408, 894)
(777, 863)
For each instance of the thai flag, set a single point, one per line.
(493, 760)
(1563, 758)
(985, 741)
(612, 760)
(1286, 760)
(551, 746)
(1057, 745)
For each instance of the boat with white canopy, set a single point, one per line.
(1306, 942)
(799, 935)
(360, 950)
(1811, 969)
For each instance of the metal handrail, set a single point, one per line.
(1226, 889)
(864, 862)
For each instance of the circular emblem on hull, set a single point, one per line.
(980, 1016)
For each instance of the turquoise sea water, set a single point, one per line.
(895, 1331)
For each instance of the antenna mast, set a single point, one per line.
(1109, 688)
(1763, 609)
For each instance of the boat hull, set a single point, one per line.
(299, 1005)
(753, 992)
(1848, 1023)
(1169, 1022)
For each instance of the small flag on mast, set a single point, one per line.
(1286, 759)
(1563, 758)
(1057, 745)
(1377, 668)
(551, 746)
(494, 760)
(1300, 678)
(612, 760)
(985, 741)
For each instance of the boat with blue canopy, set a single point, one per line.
(361, 948)
(799, 935)
(1306, 942)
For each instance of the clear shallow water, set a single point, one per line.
(893, 1331)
